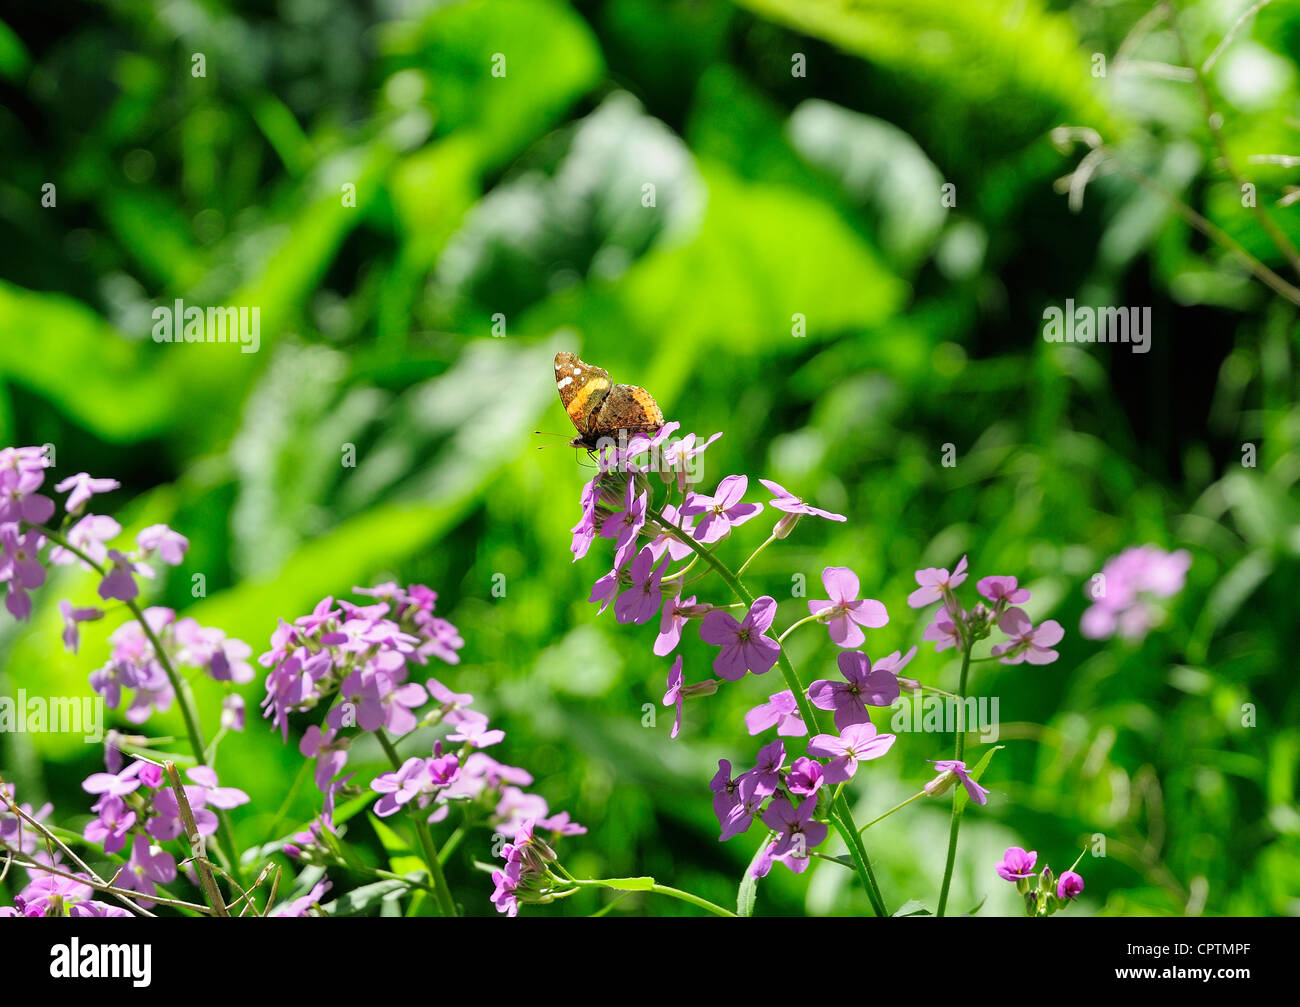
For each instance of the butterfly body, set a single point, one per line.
(598, 407)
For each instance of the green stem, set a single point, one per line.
(958, 754)
(680, 573)
(896, 807)
(230, 854)
(441, 892)
(672, 893)
(843, 821)
(806, 619)
(452, 842)
(695, 900)
(754, 555)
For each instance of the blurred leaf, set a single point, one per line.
(360, 899)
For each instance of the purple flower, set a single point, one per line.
(861, 688)
(604, 589)
(641, 601)
(166, 824)
(780, 710)
(472, 729)
(300, 907)
(1121, 592)
(515, 809)
(20, 565)
(797, 833)
(674, 694)
(745, 647)
(559, 823)
(169, 545)
(19, 500)
(145, 869)
(1002, 589)
(119, 582)
(15, 831)
(1028, 642)
(503, 896)
(83, 487)
(943, 631)
(667, 541)
(400, 787)
(741, 815)
(383, 700)
(51, 895)
(934, 583)
(805, 777)
(723, 788)
(88, 535)
(847, 611)
(113, 824)
(678, 455)
(675, 613)
(1069, 886)
(217, 796)
(1016, 864)
(722, 511)
(958, 769)
(765, 777)
(71, 618)
(625, 526)
(233, 713)
(784, 500)
(114, 784)
(584, 532)
(856, 743)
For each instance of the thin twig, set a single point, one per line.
(207, 880)
(1213, 57)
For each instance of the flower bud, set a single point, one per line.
(785, 526)
(941, 784)
(706, 688)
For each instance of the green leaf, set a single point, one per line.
(747, 895)
(978, 906)
(912, 908)
(629, 884)
(14, 59)
(361, 899)
(401, 858)
(1009, 55)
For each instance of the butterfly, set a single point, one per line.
(601, 409)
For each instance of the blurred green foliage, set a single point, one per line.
(776, 195)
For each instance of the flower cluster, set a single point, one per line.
(55, 895)
(356, 659)
(360, 654)
(136, 662)
(83, 538)
(137, 805)
(655, 544)
(529, 874)
(954, 626)
(1124, 594)
(1044, 893)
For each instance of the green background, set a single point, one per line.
(776, 196)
